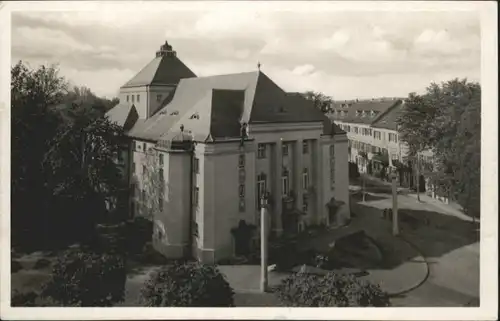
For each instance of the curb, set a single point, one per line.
(427, 274)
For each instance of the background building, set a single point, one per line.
(204, 150)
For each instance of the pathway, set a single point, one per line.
(450, 244)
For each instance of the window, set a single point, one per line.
(348, 128)
(393, 137)
(160, 204)
(160, 175)
(143, 195)
(134, 145)
(127, 98)
(132, 190)
(138, 98)
(261, 188)
(356, 130)
(241, 161)
(133, 167)
(195, 196)
(376, 135)
(305, 179)
(133, 98)
(332, 150)
(194, 116)
(242, 190)
(160, 159)
(196, 165)
(285, 149)
(305, 147)
(261, 151)
(305, 204)
(158, 98)
(144, 147)
(285, 184)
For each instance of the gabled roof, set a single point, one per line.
(162, 70)
(124, 115)
(212, 108)
(389, 119)
(354, 110)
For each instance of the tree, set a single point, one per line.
(447, 120)
(320, 101)
(458, 141)
(415, 127)
(63, 158)
(34, 122)
(153, 186)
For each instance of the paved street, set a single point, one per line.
(451, 246)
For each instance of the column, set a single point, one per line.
(318, 180)
(298, 170)
(277, 193)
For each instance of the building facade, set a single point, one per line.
(204, 151)
(371, 129)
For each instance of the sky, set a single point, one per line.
(345, 54)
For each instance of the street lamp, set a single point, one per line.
(263, 243)
(395, 226)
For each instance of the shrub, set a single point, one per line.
(189, 284)
(41, 264)
(19, 299)
(87, 279)
(33, 299)
(15, 266)
(331, 290)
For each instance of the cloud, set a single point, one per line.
(303, 70)
(345, 54)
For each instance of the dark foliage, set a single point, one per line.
(331, 290)
(15, 266)
(87, 279)
(63, 155)
(42, 263)
(189, 284)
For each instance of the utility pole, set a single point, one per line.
(395, 226)
(263, 244)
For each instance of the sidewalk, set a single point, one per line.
(445, 208)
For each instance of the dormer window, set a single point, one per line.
(358, 113)
(175, 113)
(195, 116)
(127, 98)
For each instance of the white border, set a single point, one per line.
(489, 183)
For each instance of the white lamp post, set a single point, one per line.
(263, 244)
(395, 226)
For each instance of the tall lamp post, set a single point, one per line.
(395, 226)
(263, 243)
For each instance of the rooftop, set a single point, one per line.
(214, 108)
(164, 69)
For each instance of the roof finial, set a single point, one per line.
(258, 65)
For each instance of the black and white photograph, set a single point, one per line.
(271, 155)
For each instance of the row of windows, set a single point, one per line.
(132, 97)
(369, 132)
(138, 98)
(261, 149)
